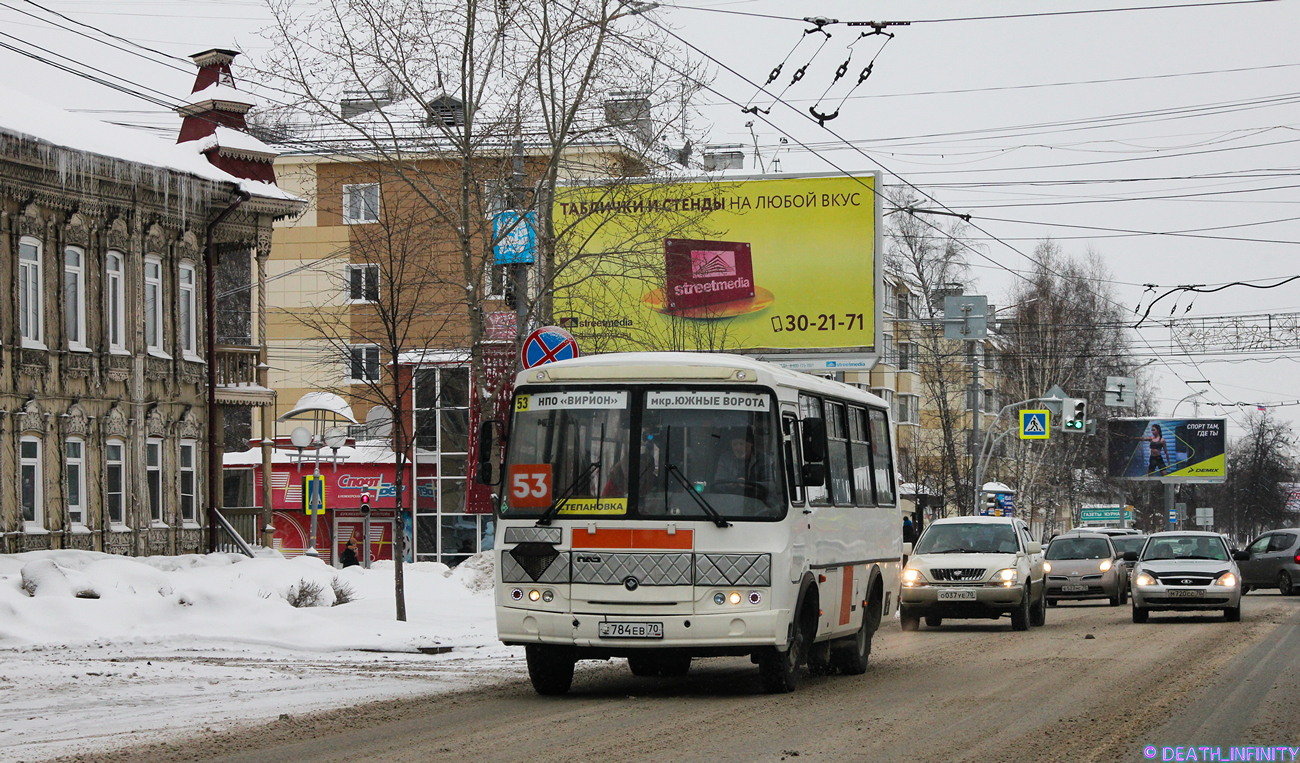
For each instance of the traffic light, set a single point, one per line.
(365, 501)
(1076, 415)
(990, 505)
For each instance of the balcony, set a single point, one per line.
(238, 376)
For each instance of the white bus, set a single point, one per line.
(665, 506)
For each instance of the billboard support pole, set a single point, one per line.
(1170, 507)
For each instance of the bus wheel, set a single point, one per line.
(780, 670)
(852, 659)
(645, 665)
(550, 668)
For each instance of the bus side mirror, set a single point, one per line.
(486, 445)
(814, 444)
(814, 475)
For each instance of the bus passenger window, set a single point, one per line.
(860, 457)
(881, 451)
(838, 454)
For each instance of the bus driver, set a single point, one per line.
(740, 469)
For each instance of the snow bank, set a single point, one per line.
(79, 597)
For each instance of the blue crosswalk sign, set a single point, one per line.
(1034, 425)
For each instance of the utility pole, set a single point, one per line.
(975, 419)
(519, 270)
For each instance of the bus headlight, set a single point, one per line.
(734, 597)
(534, 595)
(548, 596)
(517, 594)
(755, 598)
(719, 598)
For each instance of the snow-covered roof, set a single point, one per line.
(421, 357)
(26, 118)
(222, 94)
(235, 140)
(366, 452)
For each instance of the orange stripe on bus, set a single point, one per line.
(621, 538)
(846, 596)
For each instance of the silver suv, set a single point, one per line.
(974, 567)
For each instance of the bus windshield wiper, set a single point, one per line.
(549, 514)
(699, 499)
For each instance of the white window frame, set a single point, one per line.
(37, 522)
(489, 281)
(908, 409)
(157, 512)
(75, 485)
(115, 302)
(187, 326)
(154, 343)
(354, 189)
(120, 464)
(906, 354)
(31, 300)
(368, 273)
(75, 298)
(365, 349)
(190, 517)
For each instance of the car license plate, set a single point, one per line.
(1074, 588)
(961, 594)
(1187, 594)
(630, 630)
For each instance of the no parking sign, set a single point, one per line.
(547, 345)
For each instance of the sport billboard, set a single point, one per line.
(746, 264)
(1171, 450)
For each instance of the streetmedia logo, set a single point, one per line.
(701, 273)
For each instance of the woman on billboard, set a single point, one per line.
(1156, 462)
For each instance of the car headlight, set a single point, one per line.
(913, 577)
(1005, 577)
(1047, 566)
(1145, 579)
(1227, 580)
(1105, 565)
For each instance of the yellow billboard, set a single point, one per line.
(762, 264)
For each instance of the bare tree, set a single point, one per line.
(1261, 470)
(931, 260)
(462, 109)
(1069, 329)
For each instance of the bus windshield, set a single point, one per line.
(698, 453)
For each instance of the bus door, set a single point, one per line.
(792, 454)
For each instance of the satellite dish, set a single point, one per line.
(300, 437)
(336, 437)
(379, 422)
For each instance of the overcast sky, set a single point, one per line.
(1179, 120)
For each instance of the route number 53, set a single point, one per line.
(530, 486)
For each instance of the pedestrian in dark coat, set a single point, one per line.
(349, 555)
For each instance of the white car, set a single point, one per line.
(1185, 571)
(974, 567)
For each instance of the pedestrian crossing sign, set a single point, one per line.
(313, 494)
(1034, 425)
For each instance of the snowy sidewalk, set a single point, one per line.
(183, 644)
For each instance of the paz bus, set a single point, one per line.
(666, 506)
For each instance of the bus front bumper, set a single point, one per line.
(752, 628)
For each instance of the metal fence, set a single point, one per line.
(237, 530)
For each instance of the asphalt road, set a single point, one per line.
(972, 691)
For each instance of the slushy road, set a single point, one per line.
(969, 691)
